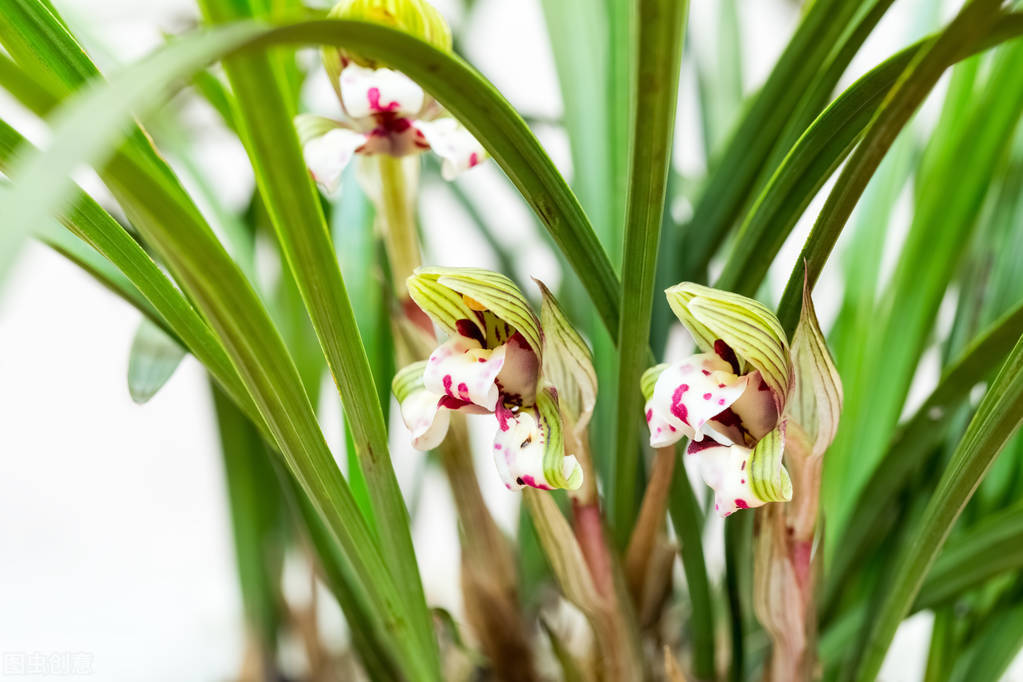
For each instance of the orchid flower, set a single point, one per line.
(382, 111)
(489, 364)
(727, 400)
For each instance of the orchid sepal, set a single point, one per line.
(816, 400)
(568, 363)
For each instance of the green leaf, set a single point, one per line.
(993, 649)
(999, 415)
(818, 153)
(961, 178)
(732, 181)
(257, 520)
(971, 25)
(84, 131)
(152, 361)
(661, 29)
(988, 548)
(912, 444)
(264, 116)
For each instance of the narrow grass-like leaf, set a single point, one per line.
(264, 117)
(972, 23)
(988, 548)
(912, 444)
(467, 95)
(818, 153)
(993, 649)
(661, 29)
(152, 361)
(998, 417)
(961, 179)
(731, 183)
(84, 131)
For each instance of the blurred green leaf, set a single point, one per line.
(998, 417)
(152, 361)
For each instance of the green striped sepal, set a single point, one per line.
(568, 363)
(816, 400)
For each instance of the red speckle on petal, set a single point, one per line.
(706, 373)
(721, 385)
(503, 414)
(741, 504)
(721, 401)
(497, 446)
(649, 415)
(463, 391)
(447, 384)
(530, 481)
(706, 396)
(677, 408)
(743, 467)
(474, 159)
(741, 480)
(373, 96)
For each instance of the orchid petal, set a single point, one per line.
(768, 476)
(369, 92)
(529, 448)
(454, 144)
(465, 372)
(726, 470)
(518, 377)
(756, 408)
(425, 419)
(328, 155)
(689, 394)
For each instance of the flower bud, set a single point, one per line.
(568, 364)
(418, 18)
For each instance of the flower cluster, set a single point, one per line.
(728, 400)
(382, 110)
(490, 363)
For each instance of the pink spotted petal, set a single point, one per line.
(454, 144)
(663, 429)
(725, 469)
(756, 408)
(463, 371)
(690, 393)
(425, 419)
(328, 155)
(369, 93)
(519, 451)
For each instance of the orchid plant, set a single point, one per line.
(843, 501)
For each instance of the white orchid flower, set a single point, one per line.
(489, 364)
(383, 112)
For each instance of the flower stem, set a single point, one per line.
(397, 211)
